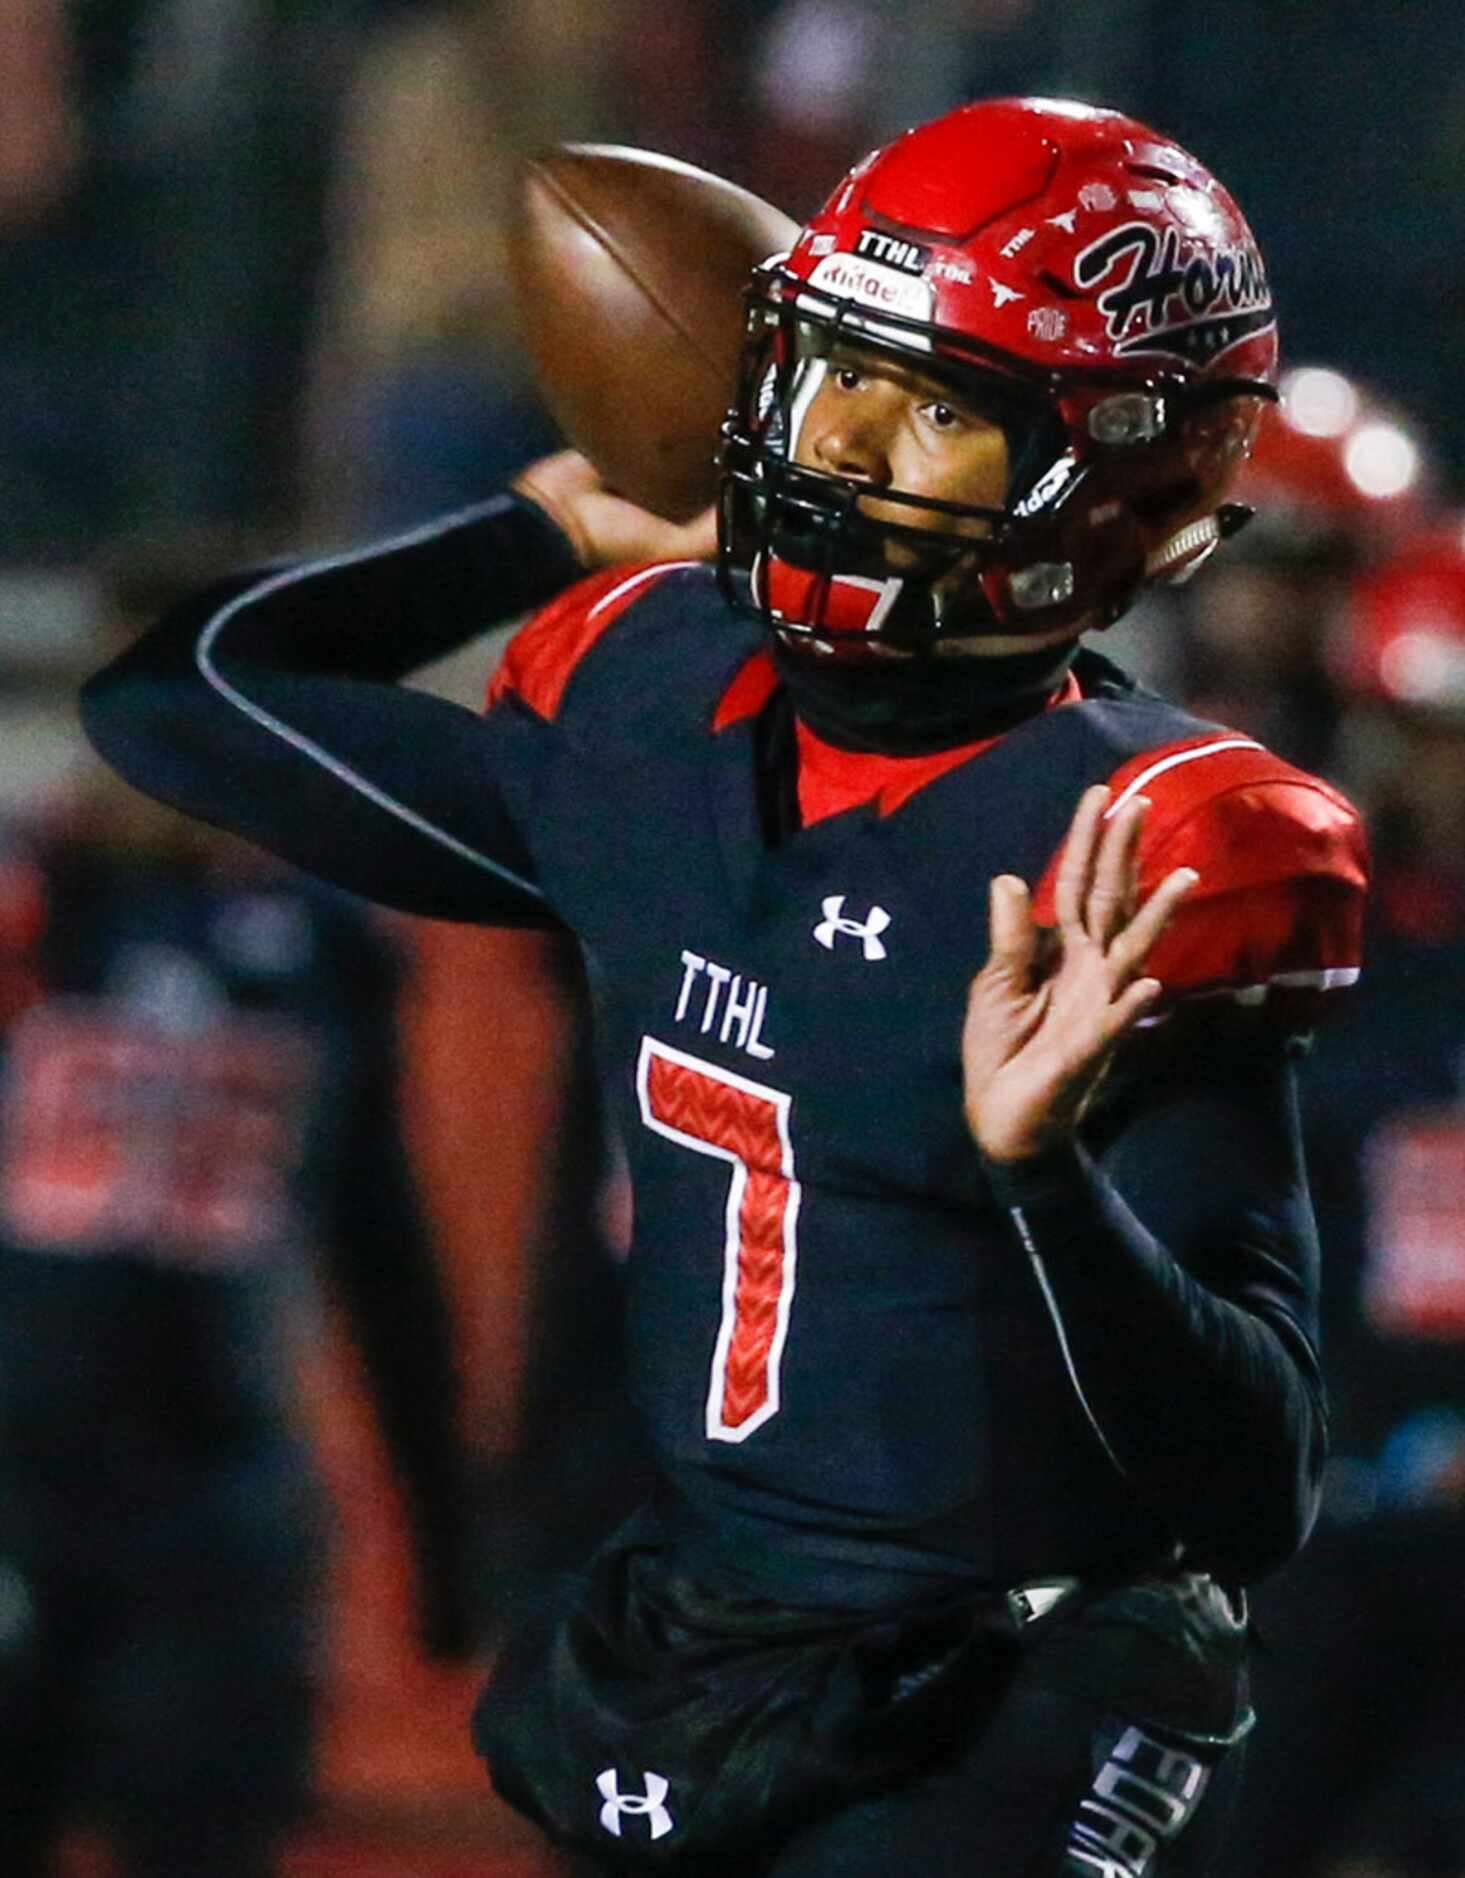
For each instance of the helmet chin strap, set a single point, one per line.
(1186, 552)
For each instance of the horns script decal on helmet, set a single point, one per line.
(1181, 300)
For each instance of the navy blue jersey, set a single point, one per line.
(826, 1312)
(860, 1351)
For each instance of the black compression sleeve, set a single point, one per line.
(271, 711)
(387, 608)
(1180, 1270)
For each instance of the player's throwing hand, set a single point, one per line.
(1047, 1009)
(605, 529)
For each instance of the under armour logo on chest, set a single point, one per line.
(648, 1805)
(867, 931)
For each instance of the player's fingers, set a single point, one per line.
(622, 531)
(1114, 889)
(1075, 870)
(569, 469)
(1014, 937)
(1129, 1007)
(563, 476)
(697, 540)
(1130, 950)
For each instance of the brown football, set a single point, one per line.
(628, 271)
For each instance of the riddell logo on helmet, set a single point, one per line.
(873, 285)
(909, 256)
(1175, 299)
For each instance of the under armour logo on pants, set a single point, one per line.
(647, 1805)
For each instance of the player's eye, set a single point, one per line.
(941, 416)
(848, 378)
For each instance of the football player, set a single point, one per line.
(973, 1319)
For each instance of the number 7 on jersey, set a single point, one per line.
(745, 1124)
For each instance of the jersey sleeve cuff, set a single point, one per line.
(544, 553)
(1050, 1196)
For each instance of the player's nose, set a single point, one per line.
(855, 440)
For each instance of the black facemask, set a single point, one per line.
(914, 707)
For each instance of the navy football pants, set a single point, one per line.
(1051, 1787)
(1113, 1750)
(1051, 1790)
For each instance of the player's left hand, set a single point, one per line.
(1046, 1011)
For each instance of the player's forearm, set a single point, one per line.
(266, 707)
(1210, 1407)
(374, 612)
(385, 609)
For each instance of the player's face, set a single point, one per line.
(894, 426)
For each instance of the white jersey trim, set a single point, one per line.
(1329, 978)
(1040, 1272)
(1173, 761)
(636, 580)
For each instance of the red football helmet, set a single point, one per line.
(1405, 640)
(1081, 279)
(1337, 474)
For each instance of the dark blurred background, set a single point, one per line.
(253, 301)
(233, 228)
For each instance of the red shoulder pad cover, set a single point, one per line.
(1277, 912)
(542, 656)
